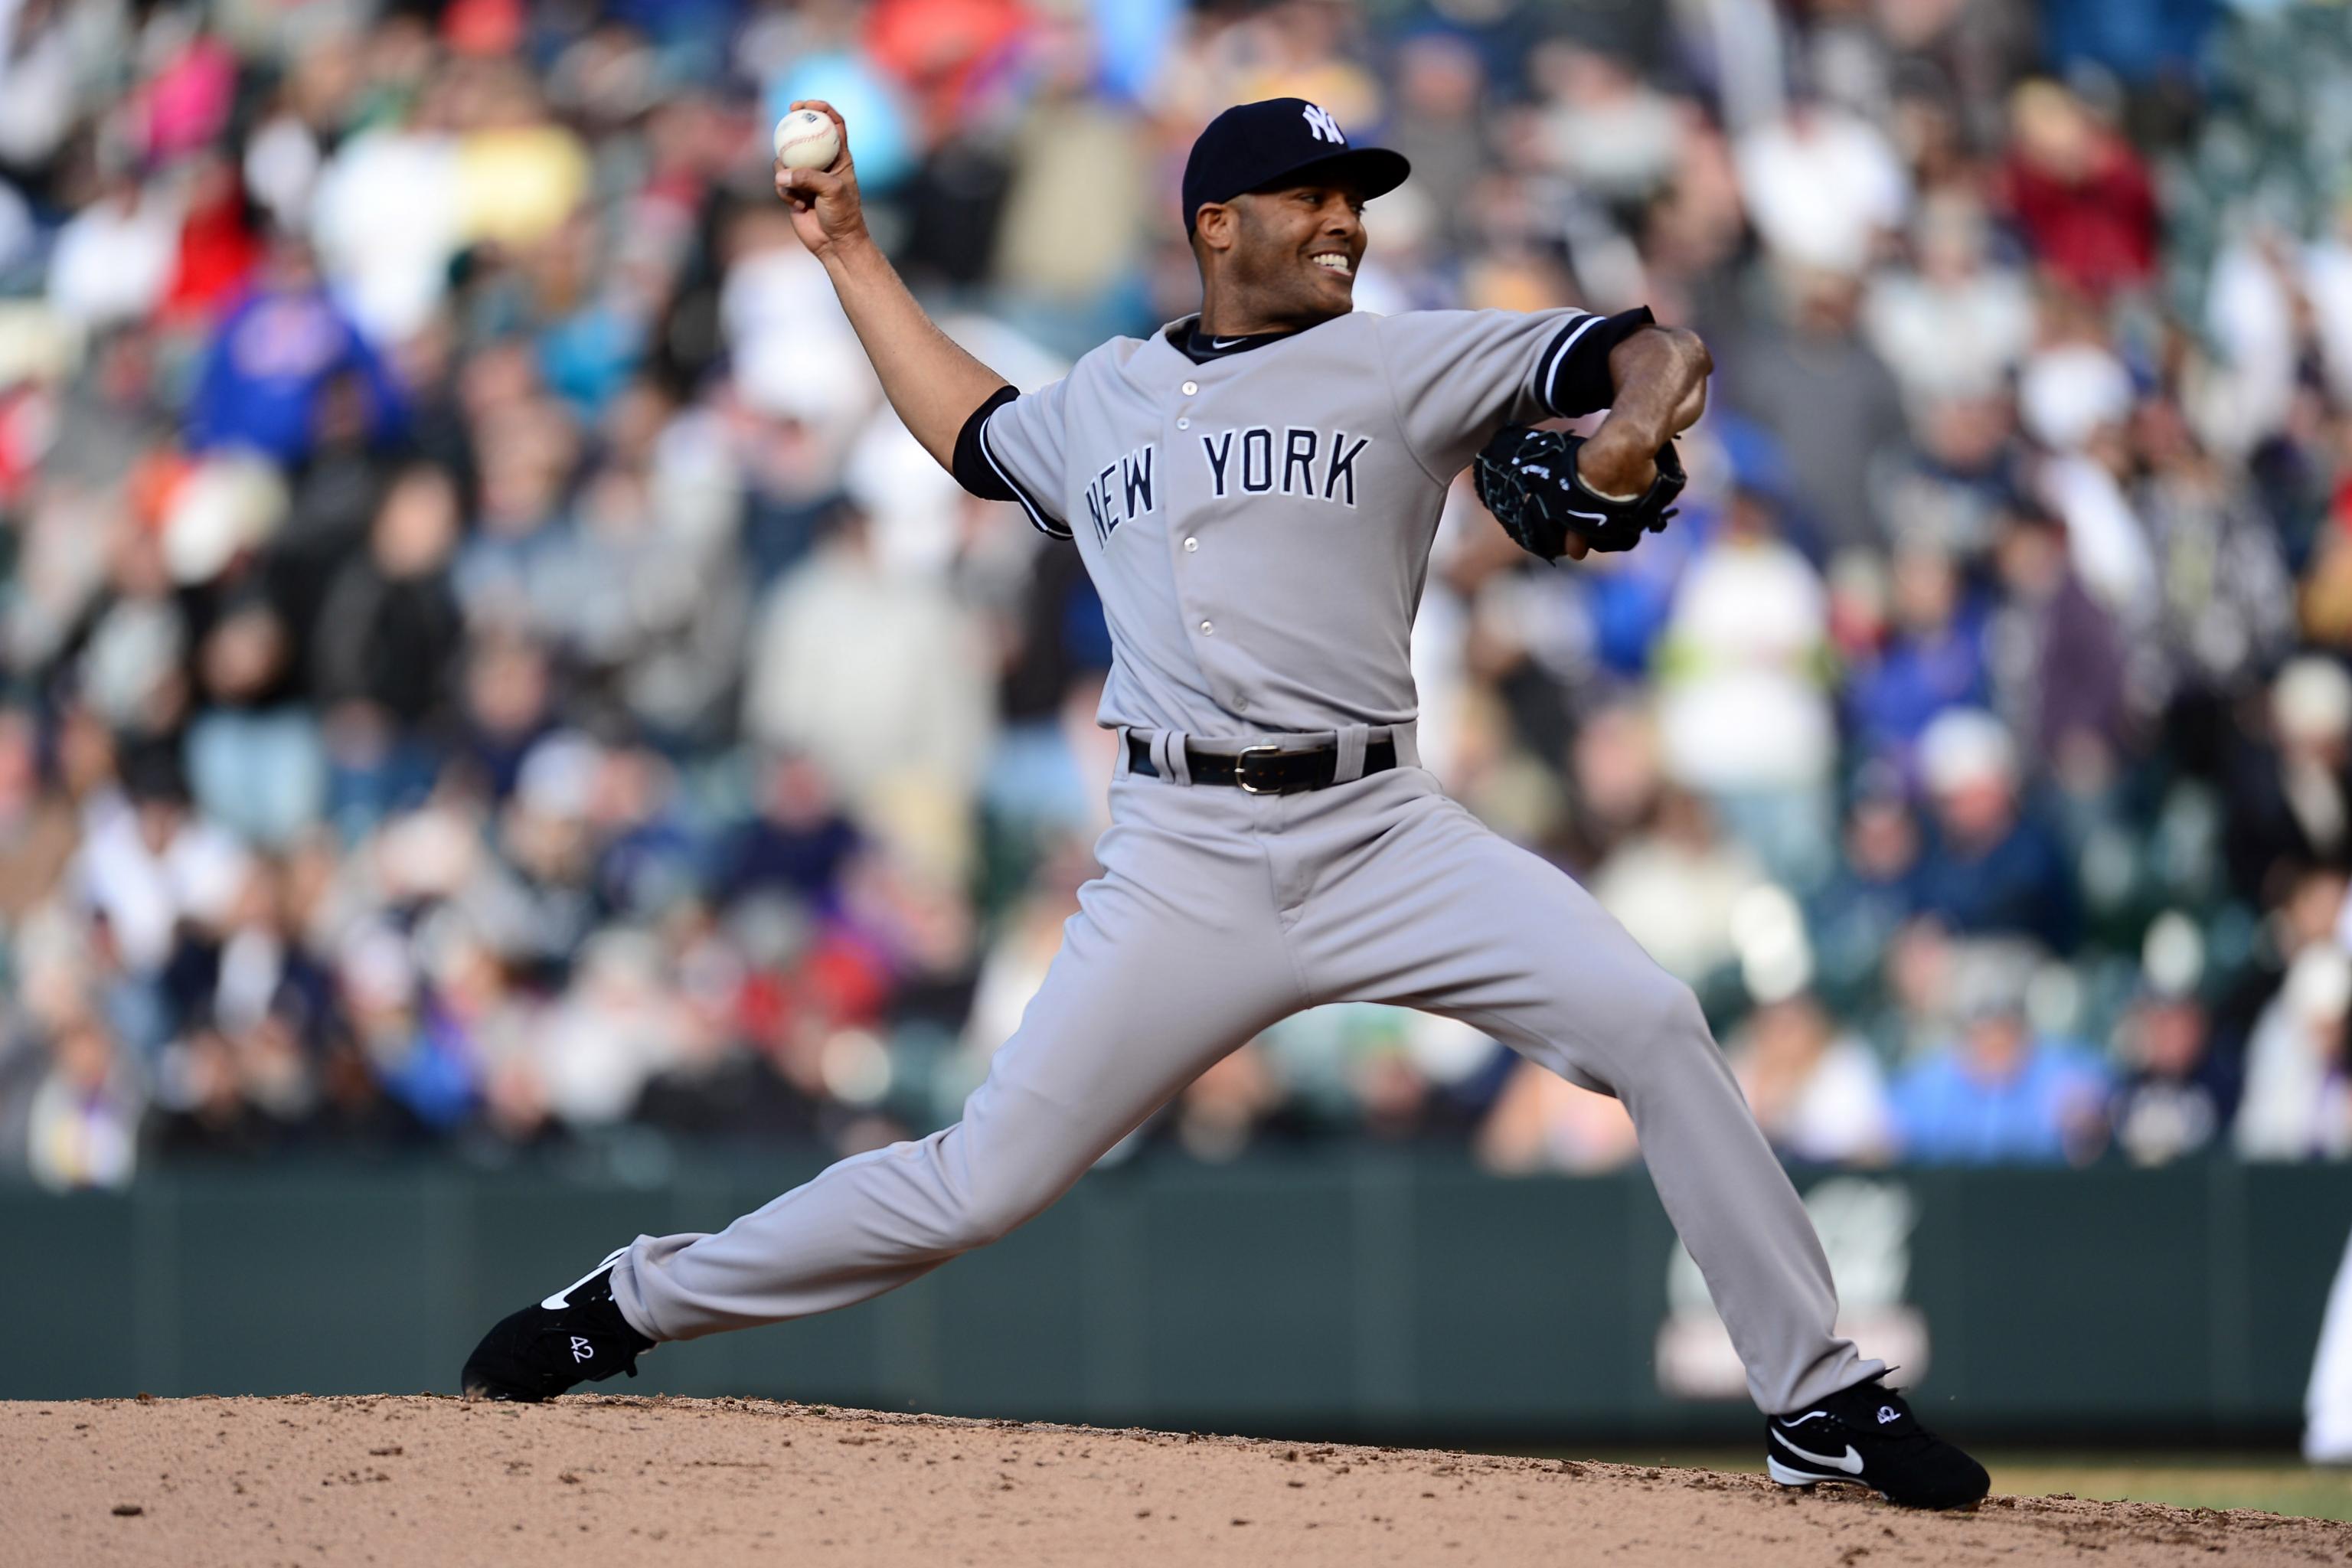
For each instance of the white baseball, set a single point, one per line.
(805, 139)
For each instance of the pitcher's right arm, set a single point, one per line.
(933, 383)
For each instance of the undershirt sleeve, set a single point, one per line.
(970, 466)
(1011, 449)
(1577, 381)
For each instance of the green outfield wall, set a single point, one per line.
(1380, 1294)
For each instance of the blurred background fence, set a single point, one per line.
(1379, 1294)
(486, 685)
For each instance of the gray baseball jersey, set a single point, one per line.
(1258, 526)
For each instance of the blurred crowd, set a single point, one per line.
(482, 669)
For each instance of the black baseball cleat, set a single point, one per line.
(576, 1335)
(1865, 1435)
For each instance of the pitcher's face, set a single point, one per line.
(1296, 250)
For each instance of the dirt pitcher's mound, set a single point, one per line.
(195, 1482)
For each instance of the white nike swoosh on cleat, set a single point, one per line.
(1795, 1476)
(562, 1298)
(1851, 1464)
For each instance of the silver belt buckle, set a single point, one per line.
(1241, 768)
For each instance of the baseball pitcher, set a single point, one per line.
(1254, 490)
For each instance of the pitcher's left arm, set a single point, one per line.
(1660, 373)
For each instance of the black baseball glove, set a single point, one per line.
(1529, 481)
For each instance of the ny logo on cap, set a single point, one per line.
(1326, 128)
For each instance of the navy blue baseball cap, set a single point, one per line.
(1253, 145)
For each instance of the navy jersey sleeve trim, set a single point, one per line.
(971, 467)
(1572, 377)
(977, 470)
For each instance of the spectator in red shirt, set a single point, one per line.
(218, 248)
(2078, 192)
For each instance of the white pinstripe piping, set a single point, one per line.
(1036, 513)
(1559, 358)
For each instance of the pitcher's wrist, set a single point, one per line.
(1613, 461)
(851, 252)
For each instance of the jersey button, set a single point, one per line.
(1241, 704)
(1208, 628)
(1183, 424)
(1191, 387)
(1192, 544)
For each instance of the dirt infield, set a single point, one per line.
(195, 1482)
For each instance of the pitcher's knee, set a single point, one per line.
(975, 1208)
(995, 1211)
(1680, 1018)
(962, 1188)
(1673, 1039)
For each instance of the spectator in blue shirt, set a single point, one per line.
(1853, 917)
(1992, 869)
(1998, 1094)
(1933, 661)
(279, 351)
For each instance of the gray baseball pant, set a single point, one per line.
(1217, 913)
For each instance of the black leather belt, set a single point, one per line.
(1263, 770)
